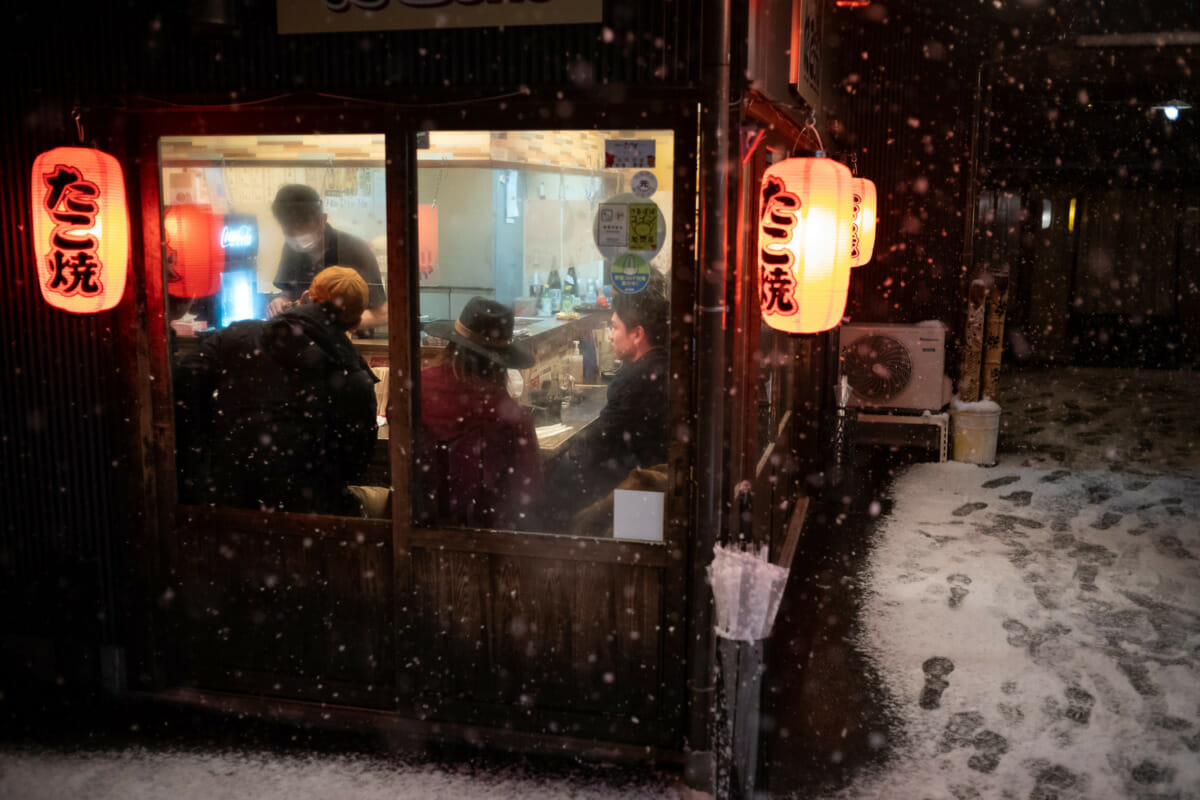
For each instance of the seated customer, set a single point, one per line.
(284, 407)
(631, 430)
(478, 462)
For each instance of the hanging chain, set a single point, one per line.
(437, 189)
(77, 115)
(811, 125)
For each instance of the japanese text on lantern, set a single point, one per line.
(777, 274)
(74, 261)
(80, 228)
(856, 214)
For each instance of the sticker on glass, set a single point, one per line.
(629, 153)
(643, 184)
(643, 226)
(612, 225)
(630, 273)
(625, 223)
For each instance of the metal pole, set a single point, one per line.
(711, 379)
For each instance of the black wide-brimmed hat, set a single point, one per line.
(484, 327)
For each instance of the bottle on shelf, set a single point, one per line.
(555, 286)
(574, 367)
(543, 295)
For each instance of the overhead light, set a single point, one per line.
(1171, 109)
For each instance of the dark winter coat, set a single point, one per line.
(284, 408)
(479, 463)
(630, 432)
(297, 269)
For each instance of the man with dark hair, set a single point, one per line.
(631, 430)
(282, 410)
(311, 244)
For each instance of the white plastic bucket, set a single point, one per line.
(975, 434)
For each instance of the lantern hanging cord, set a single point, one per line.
(811, 125)
(77, 115)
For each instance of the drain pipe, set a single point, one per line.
(711, 378)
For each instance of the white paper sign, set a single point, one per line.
(612, 225)
(638, 515)
(629, 153)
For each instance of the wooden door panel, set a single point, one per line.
(296, 613)
(539, 640)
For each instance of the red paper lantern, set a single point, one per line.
(427, 238)
(804, 243)
(193, 255)
(866, 209)
(80, 228)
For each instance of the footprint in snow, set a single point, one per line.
(989, 746)
(1107, 520)
(1148, 772)
(1053, 782)
(1079, 705)
(996, 483)
(1172, 546)
(960, 730)
(1056, 476)
(936, 669)
(968, 508)
(1086, 574)
(1010, 520)
(1021, 498)
(958, 591)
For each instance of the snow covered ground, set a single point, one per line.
(1037, 623)
(147, 773)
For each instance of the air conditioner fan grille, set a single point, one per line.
(877, 367)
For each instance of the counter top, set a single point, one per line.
(553, 439)
(534, 327)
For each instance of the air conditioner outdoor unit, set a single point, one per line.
(894, 366)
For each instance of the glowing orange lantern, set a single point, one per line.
(80, 228)
(427, 238)
(804, 243)
(194, 257)
(866, 209)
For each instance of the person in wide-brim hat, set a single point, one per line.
(478, 457)
(485, 328)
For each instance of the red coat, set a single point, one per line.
(478, 462)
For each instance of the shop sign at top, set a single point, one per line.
(336, 16)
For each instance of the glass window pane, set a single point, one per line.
(279, 402)
(537, 400)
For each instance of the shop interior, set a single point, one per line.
(507, 215)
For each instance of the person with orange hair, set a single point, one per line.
(283, 409)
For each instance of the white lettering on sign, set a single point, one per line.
(374, 5)
(237, 237)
